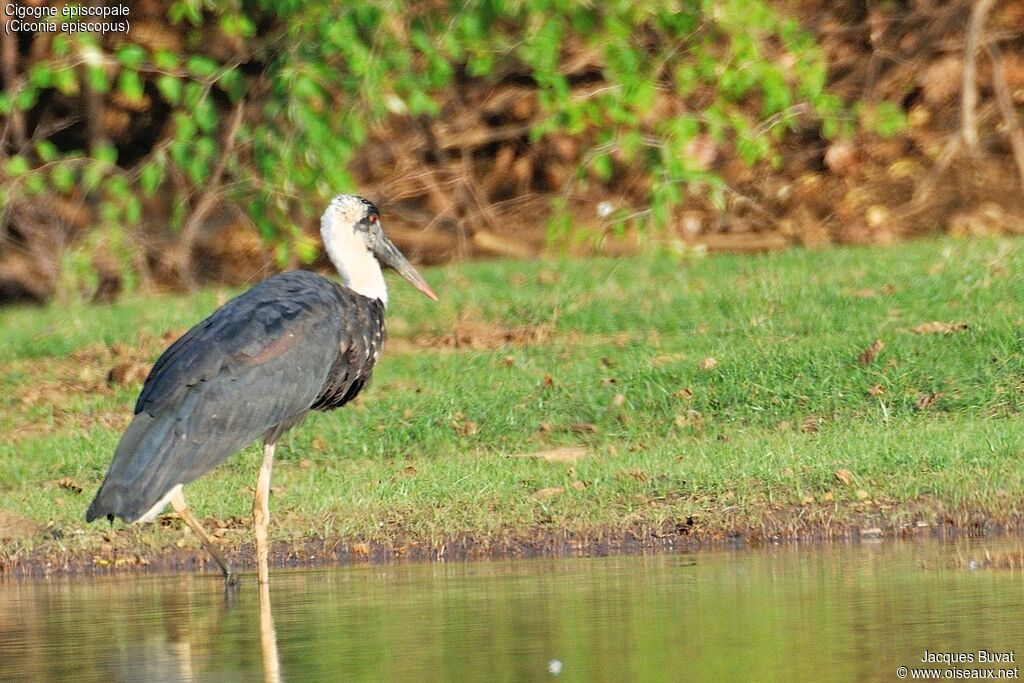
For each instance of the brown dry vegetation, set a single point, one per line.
(471, 183)
(474, 186)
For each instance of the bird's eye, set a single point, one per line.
(373, 218)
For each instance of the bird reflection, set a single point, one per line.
(268, 637)
(190, 637)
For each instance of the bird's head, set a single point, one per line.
(355, 241)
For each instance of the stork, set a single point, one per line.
(255, 367)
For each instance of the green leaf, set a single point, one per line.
(205, 116)
(61, 45)
(233, 84)
(420, 103)
(150, 176)
(164, 59)
(197, 169)
(185, 9)
(132, 210)
(117, 188)
(17, 165)
(170, 88)
(205, 148)
(306, 250)
(106, 154)
(281, 254)
(66, 81)
(40, 75)
(97, 78)
(200, 66)
(35, 184)
(92, 176)
(131, 55)
(46, 150)
(26, 98)
(194, 94)
(237, 25)
(885, 118)
(62, 177)
(130, 85)
(184, 129)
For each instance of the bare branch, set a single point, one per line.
(207, 200)
(9, 60)
(969, 94)
(93, 101)
(1007, 109)
(924, 189)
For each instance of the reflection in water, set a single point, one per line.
(847, 613)
(160, 629)
(268, 637)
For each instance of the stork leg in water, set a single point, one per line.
(260, 522)
(268, 638)
(261, 512)
(181, 507)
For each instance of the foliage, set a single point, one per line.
(315, 77)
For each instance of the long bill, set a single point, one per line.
(394, 259)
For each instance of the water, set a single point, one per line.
(822, 613)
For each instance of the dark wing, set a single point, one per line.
(362, 331)
(257, 363)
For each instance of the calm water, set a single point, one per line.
(846, 613)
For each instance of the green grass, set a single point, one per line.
(620, 369)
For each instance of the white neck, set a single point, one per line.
(357, 267)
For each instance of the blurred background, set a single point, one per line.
(195, 142)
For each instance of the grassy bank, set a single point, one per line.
(699, 397)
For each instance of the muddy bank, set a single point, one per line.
(122, 552)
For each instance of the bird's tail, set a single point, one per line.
(135, 481)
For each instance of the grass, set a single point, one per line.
(711, 394)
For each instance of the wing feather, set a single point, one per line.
(258, 362)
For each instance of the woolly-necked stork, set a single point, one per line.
(293, 343)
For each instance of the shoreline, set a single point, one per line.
(51, 559)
